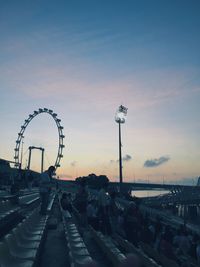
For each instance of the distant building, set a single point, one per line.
(5, 171)
(9, 174)
(4, 164)
(198, 182)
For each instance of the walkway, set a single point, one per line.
(55, 252)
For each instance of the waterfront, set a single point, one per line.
(149, 193)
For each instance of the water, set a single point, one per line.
(149, 193)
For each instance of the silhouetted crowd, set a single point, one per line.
(102, 212)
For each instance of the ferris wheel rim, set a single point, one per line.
(26, 123)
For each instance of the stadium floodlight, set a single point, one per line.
(120, 118)
(121, 114)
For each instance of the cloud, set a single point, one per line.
(73, 163)
(156, 162)
(125, 158)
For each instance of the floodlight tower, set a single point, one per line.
(120, 118)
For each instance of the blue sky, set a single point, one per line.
(85, 58)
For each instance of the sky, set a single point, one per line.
(83, 59)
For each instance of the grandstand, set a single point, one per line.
(65, 237)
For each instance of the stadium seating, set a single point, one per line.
(23, 245)
(108, 247)
(8, 260)
(130, 248)
(78, 252)
(29, 199)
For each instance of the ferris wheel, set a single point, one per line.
(23, 128)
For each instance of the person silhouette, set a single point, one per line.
(45, 188)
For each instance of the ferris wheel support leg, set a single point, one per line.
(29, 158)
(42, 161)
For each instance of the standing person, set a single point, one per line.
(132, 224)
(29, 180)
(14, 190)
(45, 188)
(92, 214)
(81, 199)
(104, 206)
(184, 242)
(15, 187)
(81, 202)
(66, 205)
(114, 212)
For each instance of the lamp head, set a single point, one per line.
(121, 114)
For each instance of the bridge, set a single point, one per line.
(179, 194)
(145, 186)
(127, 186)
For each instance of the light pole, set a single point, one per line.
(120, 118)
